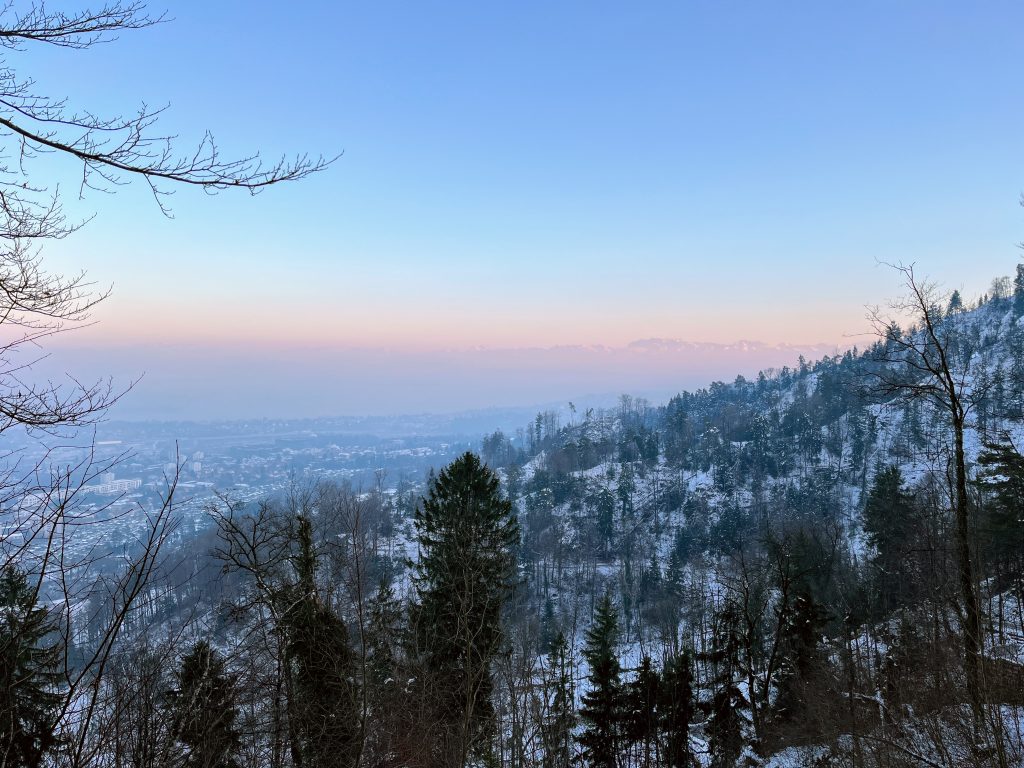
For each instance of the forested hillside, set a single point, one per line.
(820, 566)
(794, 540)
(357, 557)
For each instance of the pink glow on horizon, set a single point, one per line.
(201, 380)
(448, 328)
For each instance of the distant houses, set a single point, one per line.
(108, 486)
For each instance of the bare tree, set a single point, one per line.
(289, 559)
(111, 151)
(931, 363)
(101, 593)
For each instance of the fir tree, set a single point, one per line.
(1003, 475)
(204, 710)
(549, 631)
(724, 727)
(561, 718)
(956, 304)
(28, 674)
(605, 509)
(675, 710)
(890, 521)
(1018, 290)
(601, 712)
(384, 635)
(641, 710)
(323, 719)
(800, 656)
(387, 640)
(468, 535)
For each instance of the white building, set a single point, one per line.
(111, 487)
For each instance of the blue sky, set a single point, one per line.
(539, 174)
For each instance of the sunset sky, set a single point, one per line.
(536, 175)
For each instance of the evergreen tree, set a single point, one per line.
(890, 522)
(605, 508)
(561, 717)
(650, 581)
(323, 716)
(800, 657)
(204, 710)
(549, 631)
(1018, 290)
(625, 490)
(28, 674)
(641, 710)
(675, 572)
(675, 710)
(468, 535)
(724, 727)
(387, 640)
(956, 304)
(1003, 475)
(384, 635)
(601, 712)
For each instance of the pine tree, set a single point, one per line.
(323, 719)
(28, 674)
(601, 712)
(675, 710)
(204, 710)
(468, 535)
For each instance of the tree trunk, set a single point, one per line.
(972, 614)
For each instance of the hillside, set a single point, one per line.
(724, 498)
(772, 563)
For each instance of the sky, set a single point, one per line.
(525, 190)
